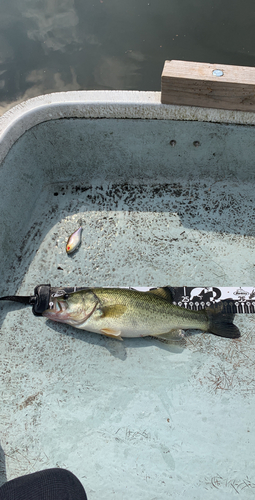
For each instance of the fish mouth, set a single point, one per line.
(59, 313)
(60, 306)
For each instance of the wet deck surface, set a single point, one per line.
(137, 418)
(140, 418)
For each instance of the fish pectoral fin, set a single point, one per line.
(110, 332)
(163, 292)
(113, 311)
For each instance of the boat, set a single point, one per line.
(165, 196)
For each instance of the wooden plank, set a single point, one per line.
(196, 84)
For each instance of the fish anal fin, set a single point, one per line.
(114, 311)
(163, 292)
(110, 332)
(175, 333)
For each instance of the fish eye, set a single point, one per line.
(66, 296)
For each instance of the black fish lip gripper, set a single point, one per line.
(39, 301)
(43, 295)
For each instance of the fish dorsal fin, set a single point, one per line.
(113, 311)
(110, 332)
(162, 292)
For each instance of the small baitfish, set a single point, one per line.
(119, 313)
(74, 241)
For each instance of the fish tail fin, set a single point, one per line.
(221, 323)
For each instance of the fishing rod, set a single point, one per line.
(235, 300)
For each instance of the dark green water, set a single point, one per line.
(57, 45)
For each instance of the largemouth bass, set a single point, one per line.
(119, 313)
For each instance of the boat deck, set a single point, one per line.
(141, 418)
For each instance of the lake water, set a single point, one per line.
(60, 45)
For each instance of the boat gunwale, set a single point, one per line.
(105, 104)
